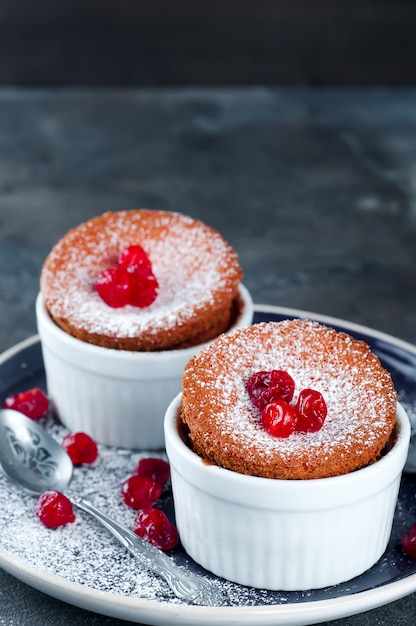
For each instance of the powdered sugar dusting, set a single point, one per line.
(193, 264)
(347, 374)
(82, 552)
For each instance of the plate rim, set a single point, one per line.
(330, 320)
(159, 613)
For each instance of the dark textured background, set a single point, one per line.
(315, 190)
(222, 42)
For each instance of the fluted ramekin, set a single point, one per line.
(118, 397)
(283, 534)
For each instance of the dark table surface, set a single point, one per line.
(316, 191)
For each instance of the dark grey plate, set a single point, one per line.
(83, 566)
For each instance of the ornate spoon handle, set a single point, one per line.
(185, 585)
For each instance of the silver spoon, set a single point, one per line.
(32, 459)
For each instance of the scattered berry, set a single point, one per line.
(33, 403)
(152, 525)
(265, 387)
(408, 541)
(133, 256)
(312, 411)
(54, 509)
(140, 491)
(113, 286)
(279, 418)
(80, 447)
(157, 470)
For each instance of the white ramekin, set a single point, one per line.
(283, 534)
(118, 397)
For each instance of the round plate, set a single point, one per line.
(83, 565)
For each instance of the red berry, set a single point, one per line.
(143, 286)
(408, 541)
(279, 418)
(113, 286)
(140, 491)
(54, 509)
(157, 470)
(80, 447)
(312, 411)
(153, 526)
(133, 256)
(131, 282)
(33, 403)
(264, 387)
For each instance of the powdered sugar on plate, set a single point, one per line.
(82, 552)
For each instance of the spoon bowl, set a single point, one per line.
(30, 457)
(34, 460)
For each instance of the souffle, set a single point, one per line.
(356, 406)
(191, 292)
